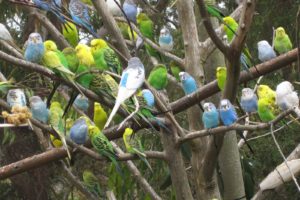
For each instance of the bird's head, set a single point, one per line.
(135, 61)
(35, 38)
(142, 17)
(262, 90)
(247, 93)
(97, 44)
(284, 87)
(81, 48)
(263, 43)
(229, 21)
(55, 104)
(97, 106)
(183, 76)
(164, 32)
(93, 130)
(50, 45)
(34, 99)
(280, 32)
(128, 132)
(208, 106)
(221, 70)
(225, 104)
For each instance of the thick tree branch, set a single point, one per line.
(210, 30)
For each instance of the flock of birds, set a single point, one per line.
(75, 64)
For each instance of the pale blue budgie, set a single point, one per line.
(80, 14)
(82, 103)
(79, 130)
(52, 6)
(132, 79)
(286, 97)
(227, 112)
(188, 83)
(34, 51)
(210, 116)
(130, 9)
(265, 51)
(16, 97)
(39, 109)
(165, 39)
(148, 97)
(249, 100)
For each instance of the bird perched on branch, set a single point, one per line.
(130, 9)
(105, 58)
(34, 48)
(134, 146)
(132, 78)
(282, 42)
(228, 114)
(265, 110)
(80, 14)
(286, 97)
(158, 77)
(265, 92)
(100, 116)
(79, 130)
(265, 51)
(16, 97)
(221, 74)
(73, 61)
(166, 39)
(248, 100)
(39, 109)
(210, 116)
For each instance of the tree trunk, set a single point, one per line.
(230, 167)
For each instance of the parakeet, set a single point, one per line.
(221, 74)
(130, 9)
(228, 114)
(165, 39)
(79, 130)
(4, 34)
(149, 98)
(248, 100)
(73, 61)
(282, 42)
(16, 97)
(264, 91)
(132, 78)
(265, 110)
(105, 58)
(34, 50)
(286, 97)
(189, 84)
(80, 14)
(56, 141)
(134, 146)
(102, 145)
(100, 116)
(265, 51)
(104, 85)
(56, 122)
(39, 109)
(70, 32)
(51, 6)
(175, 69)
(84, 55)
(114, 8)
(158, 77)
(91, 182)
(82, 103)
(210, 116)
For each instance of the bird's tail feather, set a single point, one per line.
(112, 114)
(142, 156)
(63, 140)
(113, 159)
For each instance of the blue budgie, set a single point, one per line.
(52, 6)
(249, 100)
(34, 50)
(80, 14)
(265, 51)
(16, 97)
(189, 84)
(227, 112)
(210, 116)
(165, 39)
(148, 97)
(82, 102)
(132, 79)
(39, 109)
(79, 130)
(130, 9)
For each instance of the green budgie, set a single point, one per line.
(134, 146)
(105, 58)
(158, 77)
(73, 61)
(91, 182)
(221, 74)
(56, 122)
(282, 42)
(265, 112)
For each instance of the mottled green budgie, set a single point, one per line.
(265, 110)
(158, 77)
(282, 42)
(70, 55)
(105, 58)
(134, 146)
(221, 74)
(103, 146)
(56, 122)
(91, 182)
